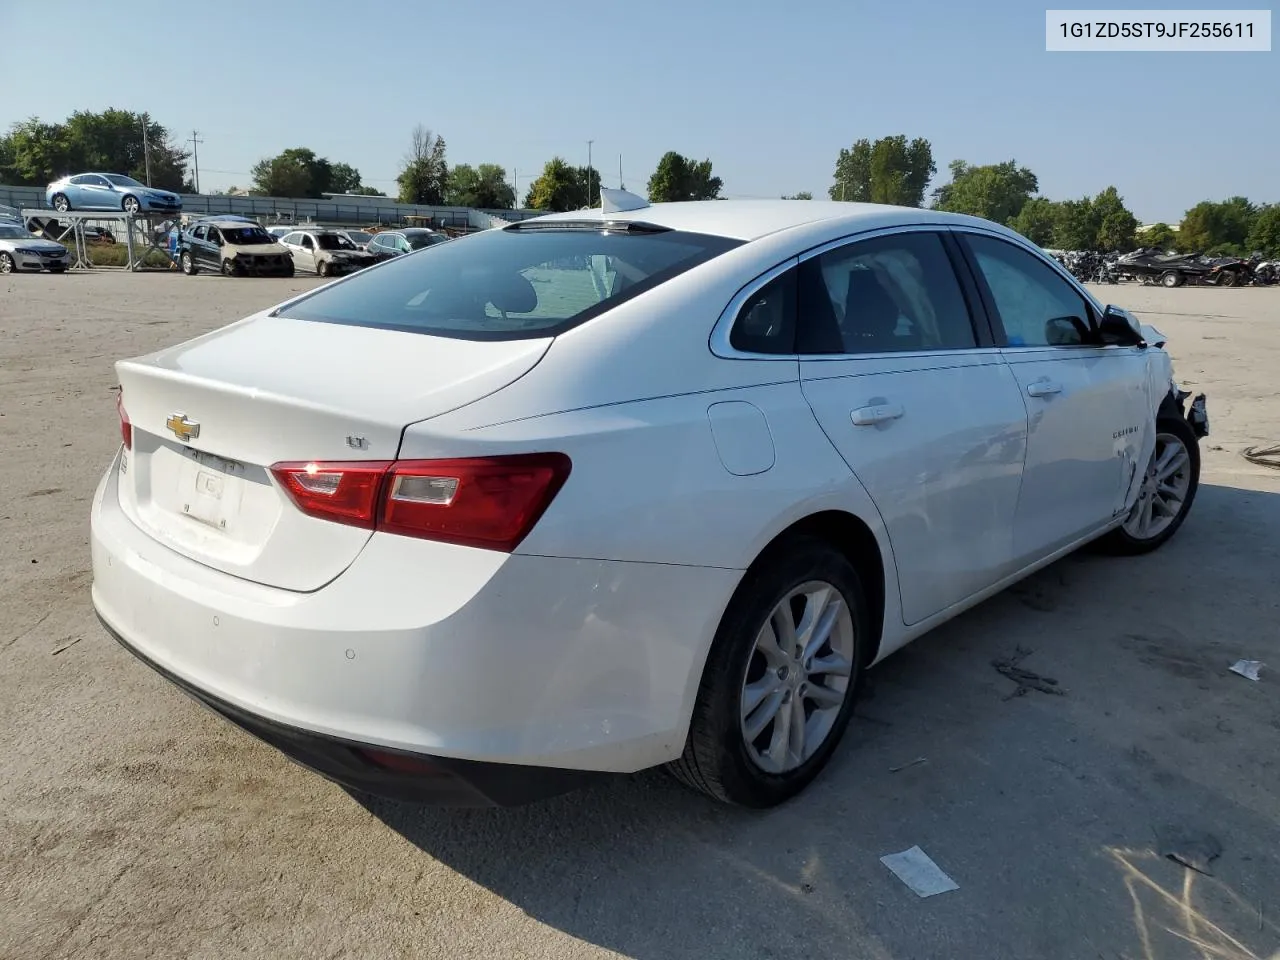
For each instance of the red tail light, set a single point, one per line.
(126, 428)
(489, 502)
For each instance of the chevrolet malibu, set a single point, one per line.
(612, 489)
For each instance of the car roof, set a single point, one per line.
(752, 219)
(414, 230)
(225, 222)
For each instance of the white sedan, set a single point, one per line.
(620, 488)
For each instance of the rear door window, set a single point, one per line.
(511, 284)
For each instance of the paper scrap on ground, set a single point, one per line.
(1247, 668)
(914, 868)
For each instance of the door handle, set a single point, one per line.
(879, 413)
(1043, 388)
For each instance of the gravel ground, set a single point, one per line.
(135, 824)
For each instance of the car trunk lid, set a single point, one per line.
(209, 417)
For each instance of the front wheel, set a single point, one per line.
(1227, 278)
(7, 264)
(780, 680)
(130, 205)
(228, 268)
(1168, 490)
(1171, 278)
(188, 263)
(322, 268)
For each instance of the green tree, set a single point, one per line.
(34, 152)
(1116, 225)
(1076, 226)
(679, 178)
(484, 187)
(996, 191)
(1158, 235)
(802, 195)
(1211, 227)
(853, 174)
(557, 189)
(1037, 220)
(425, 176)
(344, 178)
(1264, 235)
(296, 172)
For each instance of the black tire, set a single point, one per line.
(716, 760)
(188, 264)
(7, 264)
(289, 271)
(130, 205)
(57, 269)
(1119, 540)
(228, 268)
(322, 268)
(1228, 278)
(61, 203)
(1171, 278)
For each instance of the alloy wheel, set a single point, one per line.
(797, 677)
(1164, 490)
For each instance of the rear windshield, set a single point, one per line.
(509, 284)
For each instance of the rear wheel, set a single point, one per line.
(780, 680)
(7, 264)
(61, 203)
(1168, 490)
(1171, 278)
(188, 264)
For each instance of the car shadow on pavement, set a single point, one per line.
(1044, 801)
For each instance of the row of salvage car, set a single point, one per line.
(238, 246)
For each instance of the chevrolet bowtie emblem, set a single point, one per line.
(182, 428)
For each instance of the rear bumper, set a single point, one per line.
(426, 648)
(394, 774)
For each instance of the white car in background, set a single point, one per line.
(325, 253)
(618, 488)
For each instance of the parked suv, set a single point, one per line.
(393, 243)
(234, 247)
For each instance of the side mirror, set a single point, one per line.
(1120, 328)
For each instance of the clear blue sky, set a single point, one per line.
(769, 91)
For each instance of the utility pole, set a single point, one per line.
(146, 147)
(195, 142)
(621, 185)
(589, 177)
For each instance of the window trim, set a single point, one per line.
(723, 330)
(1093, 308)
(979, 320)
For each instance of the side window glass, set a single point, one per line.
(1037, 307)
(766, 323)
(99, 181)
(79, 181)
(307, 242)
(291, 239)
(197, 233)
(215, 236)
(885, 295)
